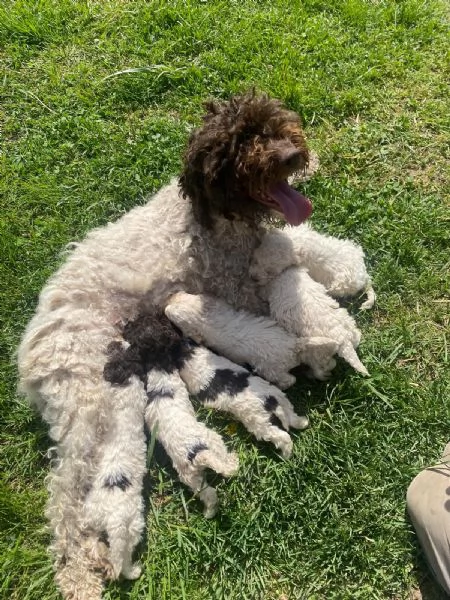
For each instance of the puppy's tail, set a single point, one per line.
(348, 353)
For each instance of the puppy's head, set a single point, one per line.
(237, 163)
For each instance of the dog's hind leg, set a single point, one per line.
(261, 407)
(95, 506)
(61, 362)
(114, 504)
(191, 446)
(81, 559)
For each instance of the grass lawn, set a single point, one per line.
(96, 101)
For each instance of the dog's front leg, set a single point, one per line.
(262, 408)
(238, 335)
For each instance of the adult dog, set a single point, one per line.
(196, 235)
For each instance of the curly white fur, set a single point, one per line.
(221, 384)
(304, 308)
(191, 446)
(336, 264)
(82, 309)
(239, 335)
(261, 407)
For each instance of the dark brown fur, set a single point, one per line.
(245, 145)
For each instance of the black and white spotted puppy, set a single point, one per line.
(172, 367)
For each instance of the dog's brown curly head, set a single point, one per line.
(238, 161)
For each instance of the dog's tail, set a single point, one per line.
(348, 353)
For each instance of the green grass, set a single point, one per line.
(83, 139)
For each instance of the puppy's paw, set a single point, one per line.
(371, 297)
(285, 381)
(183, 311)
(279, 406)
(218, 459)
(133, 572)
(299, 422)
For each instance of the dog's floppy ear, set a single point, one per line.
(194, 185)
(205, 159)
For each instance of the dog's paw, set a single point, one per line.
(217, 459)
(285, 381)
(371, 297)
(183, 310)
(283, 443)
(271, 420)
(107, 570)
(133, 572)
(278, 406)
(299, 422)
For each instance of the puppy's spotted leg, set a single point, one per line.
(191, 446)
(262, 408)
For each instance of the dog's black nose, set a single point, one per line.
(291, 158)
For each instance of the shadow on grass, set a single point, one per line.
(428, 588)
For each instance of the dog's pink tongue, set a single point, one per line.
(295, 207)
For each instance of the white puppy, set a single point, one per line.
(238, 335)
(336, 264)
(303, 307)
